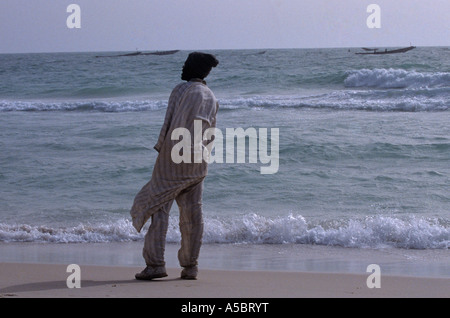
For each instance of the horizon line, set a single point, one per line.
(191, 50)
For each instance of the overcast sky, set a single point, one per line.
(127, 25)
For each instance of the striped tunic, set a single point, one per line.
(189, 101)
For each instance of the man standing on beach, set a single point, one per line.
(190, 101)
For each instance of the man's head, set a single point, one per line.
(198, 65)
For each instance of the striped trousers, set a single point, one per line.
(189, 202)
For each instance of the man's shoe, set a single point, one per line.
(190, 273)
(151, 272)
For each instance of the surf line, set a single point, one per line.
(208, 146)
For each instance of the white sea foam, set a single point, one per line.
(370, 100)
(396, 78)
(114, 106)
(119, 231)
(368, 232)
(336, 100)
(366, 89)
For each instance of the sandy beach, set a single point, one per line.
(50, 280)
(226, 271)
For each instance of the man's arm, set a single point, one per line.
(167, 120)
(203, 106)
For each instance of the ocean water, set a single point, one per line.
(364, 147)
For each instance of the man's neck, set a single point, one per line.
(199, 80)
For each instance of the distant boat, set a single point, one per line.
(162, 52)
(367, 49)
(257, 53)
(140, 53)
(386, 51)
(128, 54)
(132, 54)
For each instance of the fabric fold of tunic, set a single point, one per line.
(188, 102)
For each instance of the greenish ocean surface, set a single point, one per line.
(364, 147)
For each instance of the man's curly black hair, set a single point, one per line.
(198, 65)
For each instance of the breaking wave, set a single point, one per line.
(396, 78)
(378, 101)
(368, 100)
(366, 89)
(97, 105)
(369, 232)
